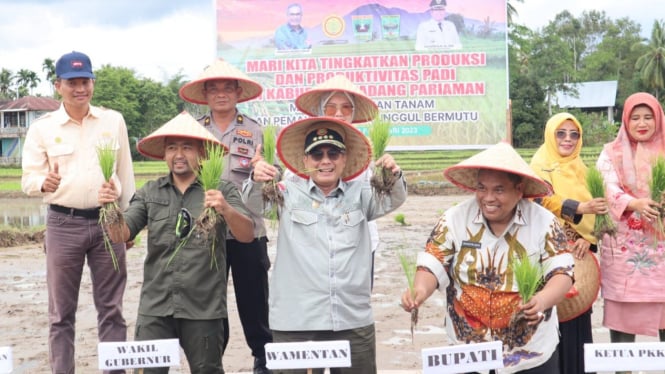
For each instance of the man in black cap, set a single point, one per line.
(320, 285)
(60, 164)
(436, 32)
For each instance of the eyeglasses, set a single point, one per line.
(331, 109)
(561, 134)
(183, 224)
(332, 154)
(295, 14)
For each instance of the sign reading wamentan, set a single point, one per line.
(436, 68)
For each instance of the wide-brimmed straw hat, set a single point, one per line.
(182, 126)
(499, 157)
(364, 108)
(220, 69)
(291, 145)
(585, 290)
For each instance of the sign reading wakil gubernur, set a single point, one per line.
(308, 355)
(462, 358)
(139, 354)
(439, 75)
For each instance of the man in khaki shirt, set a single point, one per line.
(60, 163)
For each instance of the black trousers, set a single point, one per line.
(249, 264)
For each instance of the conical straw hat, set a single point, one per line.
(291, 145)
(586, 289)
(220, 69)
(309, 102)
(499, 157)
(183, 126)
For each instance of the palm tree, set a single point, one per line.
(651, 65)
(6, 81)
(27, 79)
(48, 66)
(512, 12)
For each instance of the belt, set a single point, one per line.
(85, 213)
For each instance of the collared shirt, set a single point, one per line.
(288, 37)
(242, 136)
(432, 36)
(321, 275)
(56, 138)
(189, 287)
(482, 299)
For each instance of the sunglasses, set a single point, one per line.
(561, 134)
(332, 154)
(183, 224)
(331, 109)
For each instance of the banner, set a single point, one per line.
(437, 71)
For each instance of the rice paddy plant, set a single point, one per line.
(408, 262)
(110, 216)
(657, 188)
(210, 174)
(528, 276)
(271, 193)
(382, 180)
(603, 223)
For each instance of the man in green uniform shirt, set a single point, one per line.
(180, 296)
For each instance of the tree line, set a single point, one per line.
(568, 50)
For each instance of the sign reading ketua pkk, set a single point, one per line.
(308, 355)
(624, 356)
(6, 360)
(462, 358)
(140, 354)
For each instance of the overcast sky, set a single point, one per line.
(537, 13)
(159, 38)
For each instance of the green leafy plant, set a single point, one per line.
(528, 276)
(271, 193)
(401, 219)
(209, 174)
(603, 223)
(110, 215)
(657, 188)
(382, 180)
(408, 262)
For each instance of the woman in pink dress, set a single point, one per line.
(633, 265)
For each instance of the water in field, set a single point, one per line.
(22, 212)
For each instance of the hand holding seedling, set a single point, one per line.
(387, 162)
(263, 171)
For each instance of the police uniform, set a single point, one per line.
(249, 262)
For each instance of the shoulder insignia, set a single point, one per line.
(244, 133)
(240, 118)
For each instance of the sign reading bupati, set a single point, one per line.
(439, 75)
(139, 354)
(624, 356)
(308, 355)
(463, 358)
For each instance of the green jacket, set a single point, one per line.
(188, 287)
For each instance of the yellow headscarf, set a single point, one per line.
(567, 175)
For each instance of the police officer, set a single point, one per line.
(221, 86)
